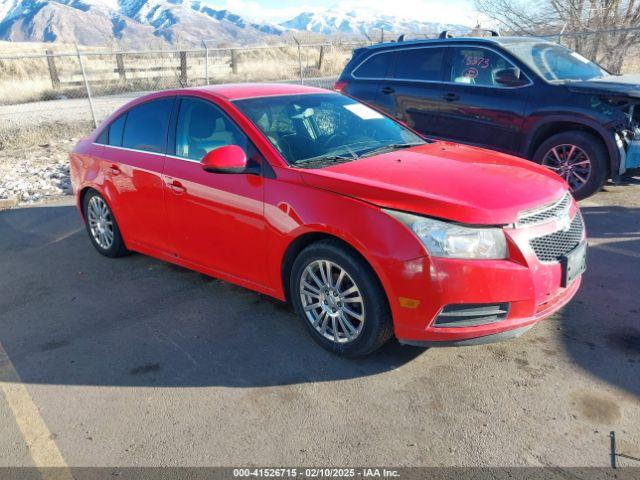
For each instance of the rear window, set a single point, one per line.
(420, 64)
(375, 66)
(112, 135)
(146, 126)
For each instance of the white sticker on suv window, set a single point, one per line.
(363, 111)
(579, 57)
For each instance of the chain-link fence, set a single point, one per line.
(87, 85)
(78, 86)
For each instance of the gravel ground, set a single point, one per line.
(39, 173)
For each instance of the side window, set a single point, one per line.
(476, 66)
(375, 66)
(420, 64)
(146, 126)
(112, 135)
(202, 126)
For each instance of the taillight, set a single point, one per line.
(339, 86)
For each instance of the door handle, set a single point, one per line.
(176, 187)
(387, 90)
(451, 97)
(115, 169)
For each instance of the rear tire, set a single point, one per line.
(569, 154)
(333, 288)
(102, 226)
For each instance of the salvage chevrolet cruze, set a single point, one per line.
(368, 229)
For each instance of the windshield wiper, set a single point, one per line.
(325, 159)
(391, 147)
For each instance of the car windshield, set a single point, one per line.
(313, 129)
(555, 62)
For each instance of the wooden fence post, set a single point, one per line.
(321, 58)
(183, 68)
(53, 70)
(120, 67)
(234, 62)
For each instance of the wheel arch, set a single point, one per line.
(82, 193)
(558, 124)
(302, 241)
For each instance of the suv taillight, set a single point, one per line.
(339, 86)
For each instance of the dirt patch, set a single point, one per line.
(597, 407)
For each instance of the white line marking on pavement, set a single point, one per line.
(43, 450)
(605, 245)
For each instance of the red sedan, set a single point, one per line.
(308, 196)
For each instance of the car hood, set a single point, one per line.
(455, 182)
(625, 85)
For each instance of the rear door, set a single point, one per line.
(370, 78)
(134, 154)
(476, 109)
(415, 85)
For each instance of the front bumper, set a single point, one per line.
(423, 287)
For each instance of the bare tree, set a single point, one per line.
(602, 30)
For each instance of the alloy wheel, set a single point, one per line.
(332, 301)
(100, 222)
(570, 162)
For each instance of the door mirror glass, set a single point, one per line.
(508, 77)
(227, 159)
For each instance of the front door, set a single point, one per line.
(478, 110)
(217, 219)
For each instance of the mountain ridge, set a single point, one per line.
(142, 23)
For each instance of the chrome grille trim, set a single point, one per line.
(546, 213)
(551, 247)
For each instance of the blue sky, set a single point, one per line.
(446, 11)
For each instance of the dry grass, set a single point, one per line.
(28, 79)
(40, 134)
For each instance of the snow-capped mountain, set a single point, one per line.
(136, 23)
(357, 22)
(148, 23)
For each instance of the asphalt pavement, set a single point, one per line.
(134, 362)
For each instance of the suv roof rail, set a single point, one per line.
(449, 34)
(403, 36)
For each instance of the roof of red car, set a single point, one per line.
(234, 91)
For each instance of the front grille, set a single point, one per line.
(545, 213)
(471, 314)
(551, 247)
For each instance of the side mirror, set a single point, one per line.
(227, 159)
(509, 77)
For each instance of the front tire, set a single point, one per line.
(578, 157)
(340, 299)
(102, 226)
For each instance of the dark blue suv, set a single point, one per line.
(523, 96)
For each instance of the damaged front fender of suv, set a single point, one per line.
(626, 130)
(619, 101)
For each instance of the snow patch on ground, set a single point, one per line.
(30, 184)
(36, 174)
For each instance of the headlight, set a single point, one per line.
(443, 239)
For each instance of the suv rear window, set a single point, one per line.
(376, 66)
(420, 64)
(146, 126)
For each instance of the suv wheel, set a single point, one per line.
(579, 158)
(339, 298)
